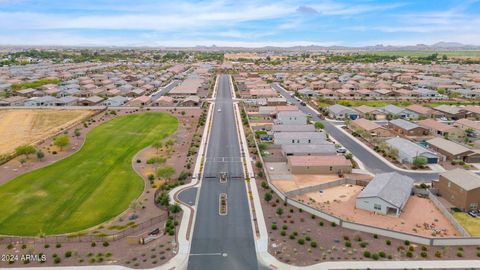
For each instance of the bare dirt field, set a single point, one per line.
(25, 126)
(420, 216)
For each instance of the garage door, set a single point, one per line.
(432, 160)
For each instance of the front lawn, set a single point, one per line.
(472, 225)
(90, 187)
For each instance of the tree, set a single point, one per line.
(268, 196)
(175, 208)
(163, 199)
(279, 211)
(420, 161)
(319, 125)
(157, 146)
(25, 150)
(61, 141)
(258, 164)
(166, 172)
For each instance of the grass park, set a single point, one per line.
(87, 188)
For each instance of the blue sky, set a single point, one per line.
(245, 23)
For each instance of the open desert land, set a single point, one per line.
(25, 126)
(87, 188)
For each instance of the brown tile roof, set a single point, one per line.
(430, 123)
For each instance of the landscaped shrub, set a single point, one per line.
(424, 248)
(292, 236)
(423, 254)
(68, 254)
(478, 254)
(307, 238)
(375, 256)
(409, 254)
(301, 241)
(388, 242)
(274, 226)
(58, 245)
(364, 244)
(406, 242)
(93, 244)
(105, 244)
(459, 254)
(313, 244)
(375, 236)
(10, 246)
(283, 233)
(57, 260)
(320, 223)
(279, 211)
(333, 224)
(284, 227)
(348, 244)
(367, 254)
(438, 254)
(381, 254)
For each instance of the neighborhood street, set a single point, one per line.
(372, 163)
(223, 241)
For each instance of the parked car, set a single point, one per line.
(303, 103)
(474, 214)
(341, 150)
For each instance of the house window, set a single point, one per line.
(377, 207)
(473, 206)
(309, 141)
(293, 141)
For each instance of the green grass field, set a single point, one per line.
(472, 225)
(88, 188)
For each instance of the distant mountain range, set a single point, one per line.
(441, 46)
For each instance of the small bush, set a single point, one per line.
(106, 244)
(388, 242)
(348, 244)
(423, 254)
(459, 254)
(409, 254)
(424, 248)
(93, 244)
(58, 245)
(375, 256)
(438, 254)
(68, 254)
(367, 254)
(321, 223)
(10, 246)
(57, 260)
(284, 227)
(274, 226)
(364, 244)
(381, 254)
(313, 244)
(478, 254)
(283, 233)
(406, 242)
(334, 224)
(375, 236)
(292, 236)
(301, 241)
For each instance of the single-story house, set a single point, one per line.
(460, 187)
(398, 112)
(91, 101)
(190, 101)
(342, 112)
(293, 128)
(451, 112)
(466, 124)
(371, 127)
(299, 138)
(291, 118)
(371, 113)
(164, 101)
(453, 151)
(422, 111)
(319, 164)
(407, 128)
(441, 129)
(325, 149)
(13, 101)
(140, 101)
(116, 101)
(386, 194)
(408, 151)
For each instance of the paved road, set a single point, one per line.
(223, 242)
(188, 196)
(371, 162)
(165, 89)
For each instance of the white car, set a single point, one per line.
(219, 110)
(341, 150)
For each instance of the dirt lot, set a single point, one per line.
(19, 127)
(420, 216)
